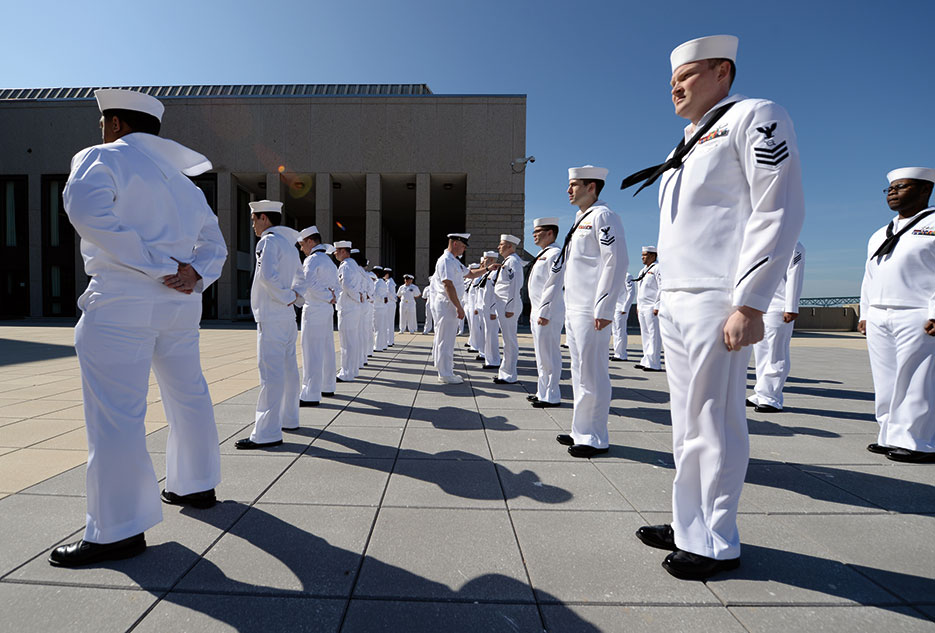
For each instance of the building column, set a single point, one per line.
(34, 214)
(324, 212)
(227, 295)
(274, 188)
(423, 226)
(373, 219)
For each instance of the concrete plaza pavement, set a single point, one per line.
(405, 505)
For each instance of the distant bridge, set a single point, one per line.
(827, 302)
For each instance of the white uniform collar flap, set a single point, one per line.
(168, 155)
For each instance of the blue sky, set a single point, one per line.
(856, 77)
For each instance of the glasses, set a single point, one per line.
(896, 188)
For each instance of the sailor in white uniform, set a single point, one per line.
(390, 315)
(487, 285)
(380, 307)
(508, 287)
(318, 285)
(619, 327)
(647, 308)
(593, 267)
(428, 326)
(350, 309)
(731, 208)
(272, 299)
(407, 294)
(772, 353)
(447, 291)
(546, 318)
(897, 312)
(475, 342)
(366, 281)
(151, 245)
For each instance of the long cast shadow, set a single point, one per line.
(16, 352)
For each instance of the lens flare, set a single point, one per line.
(282, 168)
(340, 226)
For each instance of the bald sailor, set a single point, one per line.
(407, 294)
(546, 317)
(350, 309)
(619, 327)
(447, 292)
(272, 298)
(731, 208)
(318, 285)
(647, 308)
(772, 353)
(150, 245)
(592, 266)
(428, 326)
(508, 287)
(897, 311)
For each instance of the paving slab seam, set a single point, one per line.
(42, 552)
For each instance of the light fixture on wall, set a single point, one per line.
(448, 186)
(518, 165)
(410, 186)
(335, 185)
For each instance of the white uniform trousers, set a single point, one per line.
(318, 370)
(349, 339)
(590, 378)
(407, 318)
(710, 445)
(277, 406)
(115, 360)
(364, 334)
(547, 342)
(379, 331)
(620, 334)
(902, 361)
(772, 360)
(651, 338)
(429, 325)
(446, 328)
(510, 346)
(491, 340)
(476, 335)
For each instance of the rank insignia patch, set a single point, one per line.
(606, 238)
(770, 151)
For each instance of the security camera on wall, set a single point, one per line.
(519, 164)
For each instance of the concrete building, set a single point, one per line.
(393, 168)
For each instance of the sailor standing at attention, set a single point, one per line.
(897, 311)
(428, 327)
(731, 208)
(447, 290)
(350, 309)
(593, 268)
(647, 308)
(151, 245)
(621, 314)
(390, 315)
(489, 311)
(546, 316)
(272, 299)
(509, 305)
(366, 281)
(470, 311)
(476, 315)
(772, 353)
(380, 307)
(318, 285)
(407, 294)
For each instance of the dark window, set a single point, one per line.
(14, 246)
(58, 251)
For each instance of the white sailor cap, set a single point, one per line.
(915, 173)
(408, 276)
(342, 244)
(329, 249)
(461, 237)
(512, 239)
(474, 266)
(116, 99)
(307, 232)
(491, 254)
(377, 267)
(266, 206)
(387, 270)
(544, 222)
(711, 47)
(649, 249)
(354, 251)
(587, 172)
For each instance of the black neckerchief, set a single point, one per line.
(891, 239)
(645, 272)
(560, 260)
(650, 174)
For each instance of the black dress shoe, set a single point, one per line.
(542, 404)
(328, 394)
(765, 408)
(501, 381)
(247, 444)
(309, 403)
(617, 360)
(912, 457)
(478, 357)
(584, 450)
(341, 380)
(879, 449)
(491, 367)
(468, 345)
(688, 566)
(564, 439)
(651, 369)
(658, 536)
(751, 403)
(201, 500)
(638, 366)
(84, 553)
(532, 397)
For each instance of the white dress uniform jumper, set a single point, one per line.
(546, 339)
(138, 216)
(381, 306)
(772, 353)
(350, 310)
(647, 302)
(390, 316)
(897, 297)
(407, 308)
(271, 298)
(319, 287)
(507, 289)
(620, 318)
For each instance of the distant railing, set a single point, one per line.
(827, 302)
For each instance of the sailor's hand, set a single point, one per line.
(460, 312)
(493, 317)
(789, 317)
(862, 327)
(183, 280)
(600, 324)
(744, 327)
(542, 321)
(509, 315)
(930, 327)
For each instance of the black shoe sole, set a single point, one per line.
(586, 453)
(540, 404)
(690, 574)
(116, 554)
(565, 440)
(652, 541)
(201, 503)
(254, 445)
